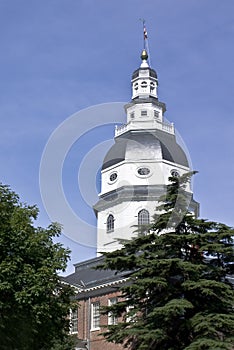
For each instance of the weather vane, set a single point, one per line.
(145, 38)
(145, 34)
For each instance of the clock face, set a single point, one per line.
(113, 177)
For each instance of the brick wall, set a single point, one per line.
(96, 341)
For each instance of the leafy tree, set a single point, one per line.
(33, 303)
(178, 295)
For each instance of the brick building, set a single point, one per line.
(95, 289)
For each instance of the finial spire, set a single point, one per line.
(145, 34)
(145, 52)
(144, 57)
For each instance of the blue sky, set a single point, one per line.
(61, 56)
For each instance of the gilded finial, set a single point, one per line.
(144, 55)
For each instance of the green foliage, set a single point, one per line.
(178, 295)
(67, 343)
(33, 303)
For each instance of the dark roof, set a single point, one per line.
(138, 144)
(152, 72)
(85, 276)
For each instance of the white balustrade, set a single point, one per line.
(167, 127)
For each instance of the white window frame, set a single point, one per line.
(110, 223)
(112, 319)
(143, 217)
(74, 321)
(130, 319)
(95, 316)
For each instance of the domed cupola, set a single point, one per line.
(149, 145)
(136, 168)
(144, 80)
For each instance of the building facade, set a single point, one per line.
(134, 175)
(95, 289)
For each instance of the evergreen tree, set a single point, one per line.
(33, 303)
(178, 294)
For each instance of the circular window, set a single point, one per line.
(143, 171)
(175, 173)
(113, 176)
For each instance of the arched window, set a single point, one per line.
(143, 217)
(110, 223)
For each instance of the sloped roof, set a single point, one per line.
(147, 145)
(85, 275)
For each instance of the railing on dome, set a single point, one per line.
(121, 129)
(167, 127)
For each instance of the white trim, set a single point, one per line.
(112, 320)
(103, 285)
(95, 317)
(72, 319)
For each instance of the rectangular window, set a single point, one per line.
(132, 115)
(74, 321)
(156, 114)
(143, 113)
(112, 319)
(131, 315)
(95, 315)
